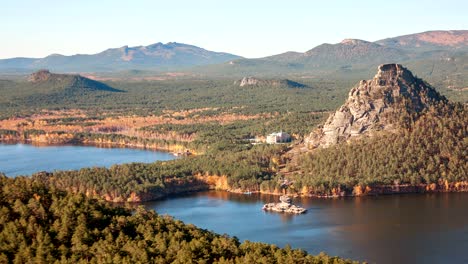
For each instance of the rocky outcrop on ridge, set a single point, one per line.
(40, 76)
(375, 105)
(249, 81)
(252, 81)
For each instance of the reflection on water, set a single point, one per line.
(25, 159)
(430, 228)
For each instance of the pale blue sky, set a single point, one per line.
(248, 28)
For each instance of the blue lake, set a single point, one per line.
(416, 228)
(25, 159)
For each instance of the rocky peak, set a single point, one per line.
(354, 41)
(374, 105)
(45, 75)
(40, 76)
(249, 81)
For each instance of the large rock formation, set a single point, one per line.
(285, 206)
(249, 81)
(252, 81)
(40, 76)
(376, 105)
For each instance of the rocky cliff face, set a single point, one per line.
(376, 105)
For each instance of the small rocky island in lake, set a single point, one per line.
(285, 206)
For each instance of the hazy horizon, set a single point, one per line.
(248, 29)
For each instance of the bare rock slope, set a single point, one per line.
(375, 105)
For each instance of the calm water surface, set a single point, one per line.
(415, 228)
(24, 159)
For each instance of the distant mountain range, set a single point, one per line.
(355, 53)
(441, 57)
(159, 56)
(429, 40)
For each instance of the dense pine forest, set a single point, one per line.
(40, 224)
(22, 98)
(429, 150)
(244, 168)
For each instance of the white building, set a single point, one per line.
(279, 137)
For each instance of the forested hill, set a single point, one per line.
(40, 224)
(394, 133)
(44, 79)
(425, 155)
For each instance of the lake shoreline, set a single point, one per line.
(210, 183)
(81, 144)
(202, 182)
(95, 139)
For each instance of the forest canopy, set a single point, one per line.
(40, 224)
